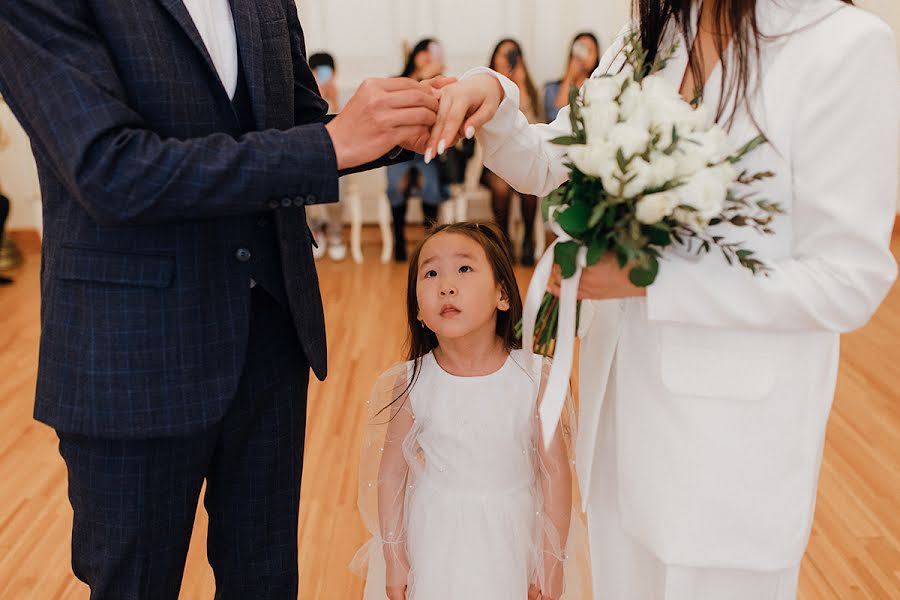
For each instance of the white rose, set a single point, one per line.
(713, 144)
(705, 191)
(663, 169)
(601, 90)
(639, 172)
(688, 159)
(655, 207)
(599, 118)
(595, 159)
(632, 139)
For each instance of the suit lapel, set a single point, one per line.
(250, 51)
(181, 15)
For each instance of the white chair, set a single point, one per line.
(374, 184)
(474, 192)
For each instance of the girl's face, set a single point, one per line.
(456, 289)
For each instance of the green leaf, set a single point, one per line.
(644, 275)
(565, 255)
(597, 214)
(566, 140)
(657, 234)
(574, 220)
(596, 251)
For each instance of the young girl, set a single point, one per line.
(456, 486)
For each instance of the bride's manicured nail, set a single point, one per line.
(442, 146)
(428, 154)
(470, 132)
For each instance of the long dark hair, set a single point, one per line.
(418, 49)
(422, 340)
(529, 83)
(735, 16)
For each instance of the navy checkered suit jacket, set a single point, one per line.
(143, 171)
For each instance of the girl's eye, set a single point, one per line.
(465, 269)
(431, 273)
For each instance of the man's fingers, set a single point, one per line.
(405, 117)
(412, 98)
(440, 82)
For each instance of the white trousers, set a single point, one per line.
(623, 569)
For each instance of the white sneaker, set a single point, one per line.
(321, 244)
(337, 249)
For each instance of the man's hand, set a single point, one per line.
(465, 107)
(383, 114)
(420, 142)
(603, 281)
(396, 592)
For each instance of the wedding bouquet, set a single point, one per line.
(647, 170)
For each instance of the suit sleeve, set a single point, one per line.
(60, 81)
(844, 174)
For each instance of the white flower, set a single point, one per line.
(655, 207)
(595, 159)
(706, 191)
(663, 169)
(630, 138)
(637, 178)
(713, 144)
(599, 119)
(688, 159)
(601, 90)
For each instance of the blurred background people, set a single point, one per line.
(584, 57)
(508, 59)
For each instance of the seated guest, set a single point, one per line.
(327, 220)
(508, 59)
(418, 177)
(584, 56)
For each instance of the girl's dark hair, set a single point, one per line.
(529, 82)
(422, 340)
(418, 49)
(736, 16)
(584, 34)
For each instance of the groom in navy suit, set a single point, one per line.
(177, 144)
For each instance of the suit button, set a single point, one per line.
(311, 199)
(273, 204)
(298, 201)
(243, 255)
(286, 202)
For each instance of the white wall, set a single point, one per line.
(18, 175)
(889, 10)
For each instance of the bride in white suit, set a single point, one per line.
(704, 399)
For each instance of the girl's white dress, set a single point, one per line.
(460, 496)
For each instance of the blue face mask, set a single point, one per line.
(324, 74)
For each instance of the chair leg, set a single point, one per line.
(355, 204)
(384, 223)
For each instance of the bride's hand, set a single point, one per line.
(465, 107)
(396, 592)
(602, 281)
(534, 592)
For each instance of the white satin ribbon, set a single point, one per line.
(554, 398)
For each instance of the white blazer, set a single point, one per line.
(724, 379)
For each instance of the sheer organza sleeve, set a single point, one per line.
(384, 478)
(563, 568)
